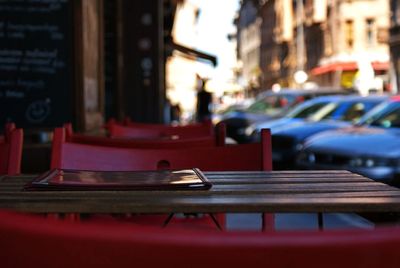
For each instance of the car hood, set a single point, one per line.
(245, 116)
(370, 141)
(277, 123)
(301, 131)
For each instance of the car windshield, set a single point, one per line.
(345, 111)
(386, 115)
(305, 110)
(235, 107)
(271, 104)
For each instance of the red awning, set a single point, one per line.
(347, 66)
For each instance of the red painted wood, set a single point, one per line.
(72, 155)
(27, 240)
(140, 130)
(11, 150)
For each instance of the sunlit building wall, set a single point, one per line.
(250, 51)
(271, 63)
(248, 45)
(181, 69)
(277, 36)
(395, 44)
(345, 43)
(356, 51)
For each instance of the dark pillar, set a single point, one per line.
(143, 92)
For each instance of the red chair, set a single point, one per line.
(141, 130)
(156, 143)
(128, 122)
(11, 150)
(27, 240)
(69, 155)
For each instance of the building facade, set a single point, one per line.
(277, 45)
(395, 43)
(180, 67)
(356, 51)
(248, 40)
(337, 43)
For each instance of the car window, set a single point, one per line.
(353, 112)
(338, 112)
(305, 111)
(345, 111)
(390, 119)
(229, 109)
(271, 104)
(380, 113)
(324, 112)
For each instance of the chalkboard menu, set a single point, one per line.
(36, 58)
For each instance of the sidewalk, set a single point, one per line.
(293, 221)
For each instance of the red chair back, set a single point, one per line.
(70, 155)
(140, 130)
(27, 240)
(11, 150)
(156, 143)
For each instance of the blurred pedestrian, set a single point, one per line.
(172, 112)
(175, 113)
(204, 101)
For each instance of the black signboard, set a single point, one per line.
(36, 58)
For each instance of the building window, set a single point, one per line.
(349, 33)
(370, 31)
(395, 12)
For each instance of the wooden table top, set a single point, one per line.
(275, 191)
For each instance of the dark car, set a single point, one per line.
(219, 114)
(298, 114)
(287, 140)
(370, 148)
(268, 105)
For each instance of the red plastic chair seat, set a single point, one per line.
(11, 150)
(27, 241)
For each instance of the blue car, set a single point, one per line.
(268, 105)
(288, 140)
(298, 114)
(370, 148)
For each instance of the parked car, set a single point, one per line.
(298, 114)
(268, 105)
(287, 140)
(370, 148)
(219, 114)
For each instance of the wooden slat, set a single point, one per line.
(242, 179)
(246, 189)
(262, 180)
(280, 175)
(129, 195)
(340, 188)
(204, 204)
(216, 177)
(285, 172)
(301, 187)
